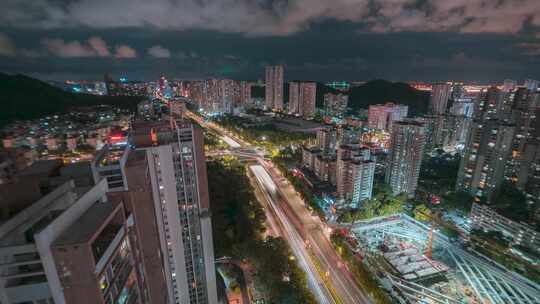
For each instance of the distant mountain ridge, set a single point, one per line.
(381, 91)
(23, 97)
(372, 92)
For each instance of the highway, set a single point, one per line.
(306, 234)
(296, 242)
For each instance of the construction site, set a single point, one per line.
(416, 263)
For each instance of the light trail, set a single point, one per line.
(295, 240)
(341, 280)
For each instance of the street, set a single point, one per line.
(306, 234)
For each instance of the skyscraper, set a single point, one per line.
(308, 92)
(327, 139)
(354, 178)
(335, 104)
(177, 171)
(245, 92)
(294, 98)
(382, 116)
(531, 85)
(274, 88)
(509, 85)
(302, 98)
(525, 141)
(482, 167)
(440, 93)
(406, 147)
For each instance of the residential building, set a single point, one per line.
(354, 176)
(324, 167)
(440, 94)
(274, 88)
(308, 156)
(302, 99)
(485, 218)
(462, 107)
(327, 139)
(178, 184)
(509, 85)
(294, 98)
(406, 149)
(95, 259)
(109, 164)
(482, 166)
(30, 272)
(531, 85)
(335, 105)
(382, 116)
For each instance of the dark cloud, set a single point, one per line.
(315, 39)
(275, 17)
(158, 51)
(7, 48)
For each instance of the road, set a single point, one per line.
(289, 232)
(301, 228)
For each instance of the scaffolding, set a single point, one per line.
(477, 278)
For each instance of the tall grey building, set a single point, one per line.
(274, 88)
(179, 187)
(482, 167)
(406, 147)
(440, 93)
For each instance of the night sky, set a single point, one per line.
(406, 40)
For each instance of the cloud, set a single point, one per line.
(99, 46)
(93, 47)
(125, 52)
(68, 49)
(7, 48)
(158, 51)
(276, 17)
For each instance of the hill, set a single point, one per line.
(380, 91)
(23, 97)
(372, 92)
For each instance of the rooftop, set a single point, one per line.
(86, 227)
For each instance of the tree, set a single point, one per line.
(512, 203)
(392, 206)
(422, 213)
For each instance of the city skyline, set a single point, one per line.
(269, 151)
(399, 40)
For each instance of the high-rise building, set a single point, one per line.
(382, 116)
(75, 246)
(458, 91)
(354, 177)
(302, 98)
(482, 166)
(109, 163)
(509, 85)
(308, 92)
(324, 167)
(531, 85)
(440, 93)
(327, 139)
(274, 87)
(406, 150)
(295, 107)
(245, 92)
(335, 104)
(462, 107)
(179, 188)
(494, 104)
(525, 117)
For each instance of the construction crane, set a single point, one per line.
(429, 249)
